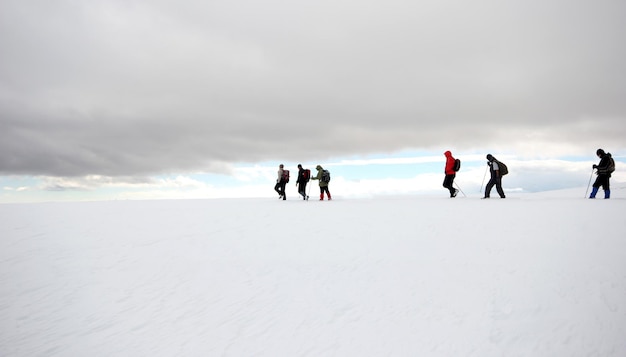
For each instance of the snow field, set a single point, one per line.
(535, 275)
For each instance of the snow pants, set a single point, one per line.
(302, 189)
(448, 182)
(497, 181)
(280, 188)
(602, 181)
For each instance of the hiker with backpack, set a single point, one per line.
(497, 170)
(324, 178)
(281, 181)
(452, 166)
(604, 168)
(304, 175)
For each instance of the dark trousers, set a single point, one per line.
(448, 182)
(280, 188)
(497, 181)
(302, 189)
(602, 180)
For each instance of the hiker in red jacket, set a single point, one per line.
(450, 174)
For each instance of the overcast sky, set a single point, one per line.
(132, 88)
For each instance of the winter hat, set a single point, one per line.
(600, 152)
(489, 157)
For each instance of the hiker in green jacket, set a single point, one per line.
(324, 178)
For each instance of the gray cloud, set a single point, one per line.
(137, 88)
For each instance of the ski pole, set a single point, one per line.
(590, 177)
(484, 176)
(459, 187)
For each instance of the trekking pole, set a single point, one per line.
(590, 177)
(459, 187)
(484, 176)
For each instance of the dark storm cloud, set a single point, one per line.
(134, 88)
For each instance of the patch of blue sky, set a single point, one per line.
(405, 164)
(17, 182)
(383, 171)
(218, 180)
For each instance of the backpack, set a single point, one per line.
(306, 175)
(611, 167)
(457, 165)
(325, 176)
(503, 169)
(285, 176)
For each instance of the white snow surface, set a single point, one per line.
(531, 275)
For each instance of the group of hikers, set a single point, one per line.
(304, 175)
(497, 169)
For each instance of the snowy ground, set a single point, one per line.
(532, 275)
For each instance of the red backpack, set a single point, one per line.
(286, 176)
(306, 174)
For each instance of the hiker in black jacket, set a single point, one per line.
(496, 177)
(303, 179)
(603, 174)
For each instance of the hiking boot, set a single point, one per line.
(454, 193)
